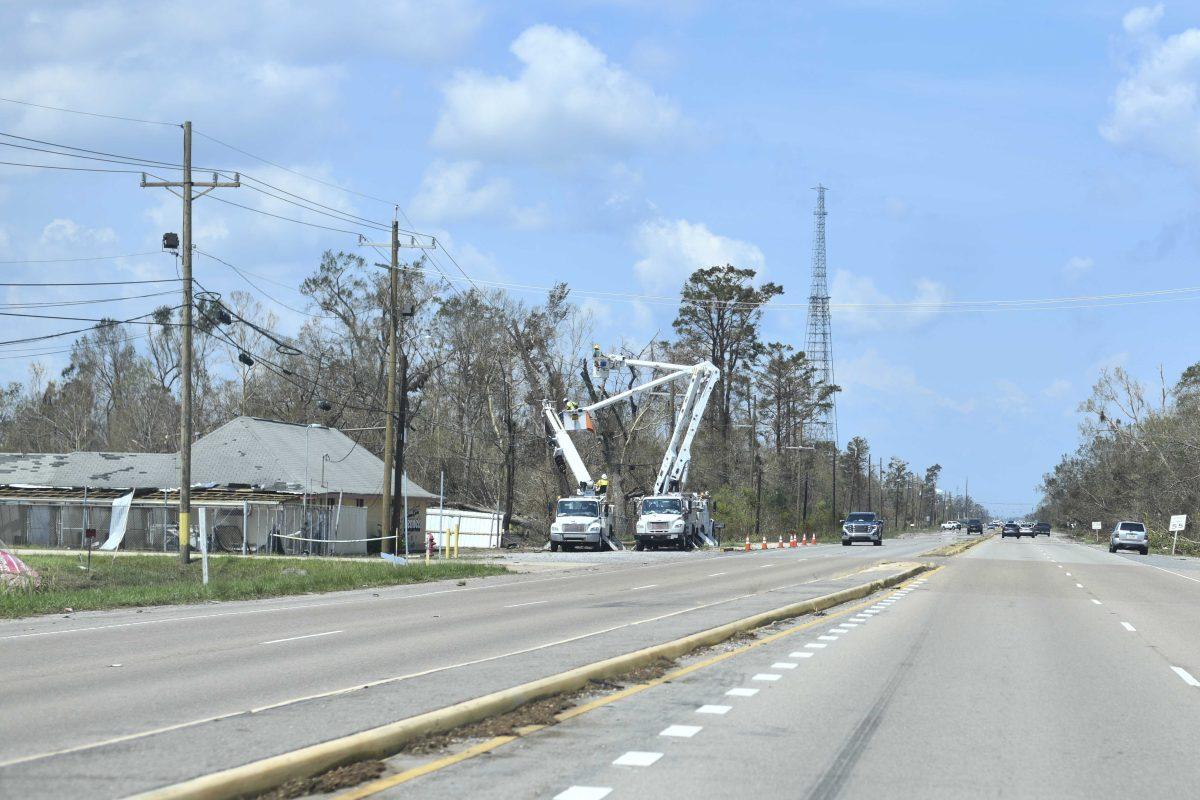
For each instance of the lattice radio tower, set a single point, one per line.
(822, 426)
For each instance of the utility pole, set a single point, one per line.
(393, 477)
(186, 187)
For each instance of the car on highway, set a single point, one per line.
(1129, 536)
(1011, 529)
(1041, 529)
(862, 526)
(1026, 528)
(952, 525)
(974, 526)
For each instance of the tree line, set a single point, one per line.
(1137, 457)
(476, 365)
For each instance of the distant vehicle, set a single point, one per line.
(862, 526)
(1011, 529)
(993, 525)
(974, 526)
(1041, 529)
(1129, 536)
(952, 525)
(1026, 529)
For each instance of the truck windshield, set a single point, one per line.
(578, 508)
(660, 505)
(861, 517)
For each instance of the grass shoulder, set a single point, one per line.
(129, 582)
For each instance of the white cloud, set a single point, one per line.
(1156, 107)
(673, 249)
(891, 381)
(1076, 266)
(68, 236)
(567, 101)
(1009, 396)
(451, 191)
(1057, 388)
(857, 302)
(223, 61)
(1142, 19)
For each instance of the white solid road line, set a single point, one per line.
(1097, 602)
(707, 709)
(1187, 676)
(637, 758)
(681, 731)
(766, 676)
(739, 692)
(1128, 627)
(1164, 569)
(305, 636)
(584, 793)
(531, 603)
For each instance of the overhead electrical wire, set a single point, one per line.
(259, 289)
(81, 302)
(82, 258)
(138, 320)
(89, 113)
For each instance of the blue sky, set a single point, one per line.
(974, 151)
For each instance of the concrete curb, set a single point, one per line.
(957, 547)
(385, 740)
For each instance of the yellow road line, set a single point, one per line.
(376, 786)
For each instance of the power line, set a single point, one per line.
(259, 289)
(286, 219)
(169, 164)
(68, 169)
(105, 323)
(83, 258)
(89, 113)
(82, 302)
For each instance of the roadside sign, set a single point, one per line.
(1095, 526)
(1178, 522)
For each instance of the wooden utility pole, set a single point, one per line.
(186, 187)
(393, 435)
(389, 424)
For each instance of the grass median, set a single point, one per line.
(129, 582)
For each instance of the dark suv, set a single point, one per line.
(1041, 529)
(974, 526)
(1010, 529)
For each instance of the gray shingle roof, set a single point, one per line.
(94, 470)
(272, 454)
(246, 450)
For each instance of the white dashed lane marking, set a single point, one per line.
(681, 731)
(637, 758)
(784, 665)
(800, 654)
(1097, 602)
(709, 709)
(1079, 585)
(1128, 627)
(766, 676)
(828, 638)
(1187, 676)
(740, 692)
(305, 636)
(584, 793)
(647, 586)
(816, 645)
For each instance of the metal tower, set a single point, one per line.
(822, 426)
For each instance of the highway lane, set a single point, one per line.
(301, 663)
(995, 676)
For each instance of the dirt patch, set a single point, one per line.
(539, 712)
(340, 778)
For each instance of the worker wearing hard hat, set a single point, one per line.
(602, 484)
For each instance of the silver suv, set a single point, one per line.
(1129, 536)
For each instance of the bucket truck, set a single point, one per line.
(668, 517)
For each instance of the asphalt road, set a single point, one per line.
(107, 704)
(1022, 669)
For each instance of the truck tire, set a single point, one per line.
(554, 547)
(639, 546)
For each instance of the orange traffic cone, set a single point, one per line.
(764, 542)
(793, 542)
(747, 542)
(781, 541)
